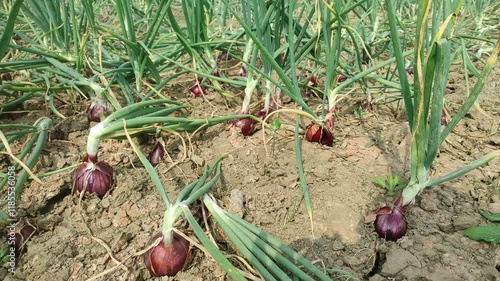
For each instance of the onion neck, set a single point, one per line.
(168, 238)
(169, 218)
(249, 89)
(332, 97)
(94, 139)
(414, 188)
(267, 100)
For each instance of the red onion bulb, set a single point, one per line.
(167, 260)
(313, 82)
(6, 76)
(390, 223)
(157, 154)
(316, 133)
(197, 89)
(92, 177)
(98, 109)
(341, 78)
(247, 126)
(243, 72)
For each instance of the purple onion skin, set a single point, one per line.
(21, 236)
(93, 177)
(156, 154)
(262, 114)
(28, 231)
(316, 133)
(341, 78)
(367, 106)
(390, 223)
(225, 57)
(247, 126)
(167, 260)
(313, 81)
(98, 109)
(243, 72)
(197, 89)
(18, 244)
(6, 76)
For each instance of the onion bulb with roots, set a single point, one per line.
(92, 177)
(390, 223)
(167, 259)
(319, 134)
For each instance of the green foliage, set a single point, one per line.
(9, 27)
(491, 217)
(360, 113)
(489, 233)
(275, 125)
(3, 255)
(391, 184)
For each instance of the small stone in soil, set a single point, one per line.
(397, 260)
(446, 259)
(465, 221)
(237, 202)
(494, 208)
(105, 223)
(429, 205)
(337, 246)
(377, 277)
(445, 227)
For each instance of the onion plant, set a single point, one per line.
(170, 249)
(169, 252)
(268, 22)
(49, 30)
(286, 80)
(424, 104)
(348, 32)
(145, 117)
(78, 36)
(196, 39)
(332, 36)
(139, 50)
(27, 158)
(273, 259)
